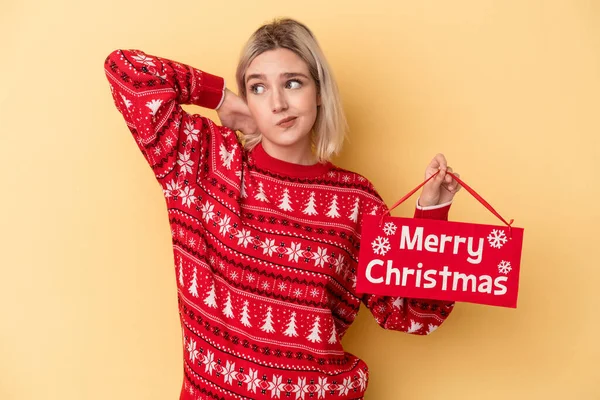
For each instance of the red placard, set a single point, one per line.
(441, 260)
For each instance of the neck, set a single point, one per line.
(300, 153)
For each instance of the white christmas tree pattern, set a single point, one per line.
(181, 283)
(268, 322)
(504, 267)
(127, 102)
(414, 326)
(210, 298)
(497, 238)
(154, 105)
(354, 215)
(431, 328)
(245, 316)
(291, 327)
(284, 203)
(333, 208)
(228, 310)
(226, 156)
(310, 206)
(261, 193)
(315, 332)
(242, 184)
(389, 228)
(381, 245)
(193, 289)
(333, 337)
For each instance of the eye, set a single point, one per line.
(257, 89)
(293, 84)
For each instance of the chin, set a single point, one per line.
(284, 140)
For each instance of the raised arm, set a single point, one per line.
(148, 91)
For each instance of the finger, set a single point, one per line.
(440, 162)
(449, 177)
(454, 186)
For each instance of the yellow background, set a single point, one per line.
(507, 90)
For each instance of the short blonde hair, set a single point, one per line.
(329, 130)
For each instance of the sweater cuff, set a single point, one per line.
(212, 91)
(222, 95)
(439, 211)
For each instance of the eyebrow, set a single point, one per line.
(283, 75)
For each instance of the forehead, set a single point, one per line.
(275, 62)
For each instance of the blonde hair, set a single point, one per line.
(329, 130)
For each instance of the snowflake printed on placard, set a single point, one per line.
(497, 238)
(390, 228)
(504, 267)
(381, 245)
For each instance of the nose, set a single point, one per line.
(278, 101)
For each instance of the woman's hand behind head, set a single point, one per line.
(235, 114)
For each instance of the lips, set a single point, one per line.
(286, 121)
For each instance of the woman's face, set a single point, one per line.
(282, 97)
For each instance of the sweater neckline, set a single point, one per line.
(267, 162)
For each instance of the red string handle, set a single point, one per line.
(467, 187)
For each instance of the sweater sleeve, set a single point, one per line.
(415, 316)
(148, 91)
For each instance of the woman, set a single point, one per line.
(266, 230)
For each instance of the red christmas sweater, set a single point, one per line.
(265, 251)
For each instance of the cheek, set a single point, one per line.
(260, 114)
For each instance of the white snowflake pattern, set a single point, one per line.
(191, 132)
(209, 361)
(193, 352)
(187, 196)
(282, 286)
(234, 275)
(339, 263)
(497, 238)
(229, 373)
(294, 251)
(207, 211)
(320, 256)
(185, 162)
(172, 189)
(269, 246)
(346, 178)
(314, 292)
(265, 285)
(345, 387)
(224, 224)
(362, 379)
(244, 237)
(390, 228)
(381, 245)
(250, 278)
(297, 292)
(504, 267)
(144, 59)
